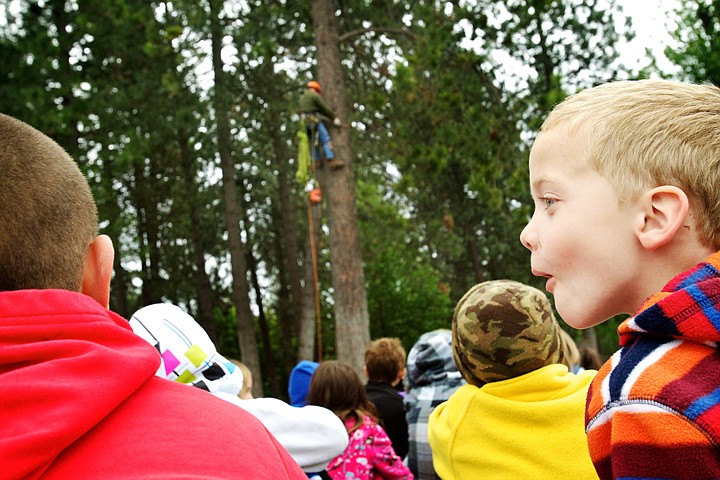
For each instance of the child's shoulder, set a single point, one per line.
(368, 428)
(368, 422)
(351, 421)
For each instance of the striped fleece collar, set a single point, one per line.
(687, 308)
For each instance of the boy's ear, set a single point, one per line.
(97, 270)
(665, 209)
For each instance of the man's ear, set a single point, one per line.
(97, 270)
(665, 210)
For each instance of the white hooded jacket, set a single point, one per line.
(312, 435)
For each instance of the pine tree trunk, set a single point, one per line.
(352, 325)
(245, 328)
(147, 222)
(268, 357)
(308, 320)
(205, 315)
(293, 287)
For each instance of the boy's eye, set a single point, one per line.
(546, 202)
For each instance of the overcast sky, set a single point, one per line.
(652, 21)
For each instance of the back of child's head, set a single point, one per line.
(299, 382)
(47, 212)
(646, 133)
(590, 358)
(337, 386)
(503, 329)
(572, 354)
(384, 360)
(431, 359)
(246, 390)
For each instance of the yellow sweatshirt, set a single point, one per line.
(528, 427)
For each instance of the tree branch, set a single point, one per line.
(362, 31)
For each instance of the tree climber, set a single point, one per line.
(313, 109)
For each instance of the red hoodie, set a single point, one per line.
(79, 399)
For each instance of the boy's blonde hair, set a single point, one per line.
(572, 354)
(646, 133)
(384, 360)
(47, 212)
(247, 378)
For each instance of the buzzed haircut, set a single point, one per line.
(646, 133)
(384, 359)
(48, 217)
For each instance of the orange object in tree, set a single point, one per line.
(315, 195)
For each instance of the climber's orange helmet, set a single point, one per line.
(314, 85)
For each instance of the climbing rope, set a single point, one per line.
(314, 196)
(313, 254)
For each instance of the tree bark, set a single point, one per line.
(204, 290)
(308, 321)
(352, 325)
(246, 332)
(268, 357)
(288, 235)
(147, 228)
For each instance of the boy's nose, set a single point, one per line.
(528, 237)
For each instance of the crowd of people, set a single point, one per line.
(625, 178)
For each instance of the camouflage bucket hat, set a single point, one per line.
(503, 329)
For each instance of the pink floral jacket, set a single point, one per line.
(368, 456)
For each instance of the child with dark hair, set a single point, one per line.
(385, 369)
(369, 455)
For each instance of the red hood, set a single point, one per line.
(79, 398)
(56, 348)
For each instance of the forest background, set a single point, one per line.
(183, 116)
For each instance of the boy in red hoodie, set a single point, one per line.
(78, 393)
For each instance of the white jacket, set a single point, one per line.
(312, 435)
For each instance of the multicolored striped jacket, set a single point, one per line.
(653, 410)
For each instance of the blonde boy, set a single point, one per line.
(626, 183)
